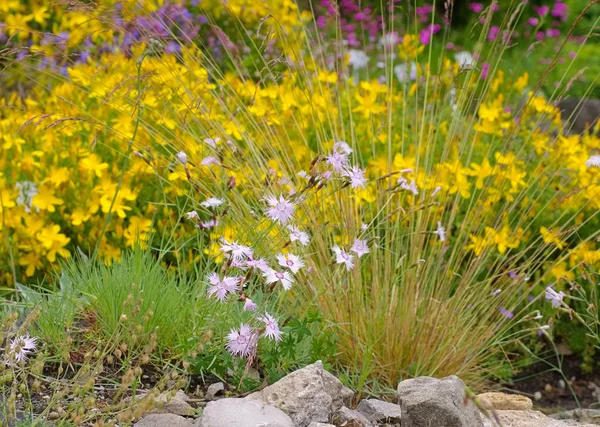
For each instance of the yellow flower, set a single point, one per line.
(481, 172)
(93, 163)
(33, 261)
(552, 237)
(54, 242)
(45, 199)
(137, 231)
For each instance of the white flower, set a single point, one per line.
(464, 59)
(209, 224)
(441, 232)
(297, 235)
(271, 327)
(496, 292)
(212, 202)
(357, 177)
(360, 247)
(182, 157)
(401, 72)
(343, 257)
(192, 215)
(357, 59)
(274, 276)
(554, 297)
(238, 252)
(290, 261)
(593, 161)
(280, 210)
(19, 347)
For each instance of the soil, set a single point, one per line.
(558, 393)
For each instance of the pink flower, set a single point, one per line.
(274, 276)
(360, 247)
(235, 250)
(221, 288)
(242, 342)
(290, 261)
(533, 21)
(280, 210)
(357, 177)
(297, 235)
(343, 257)
(271, 327)
(259, 264)
(338, 161)
(249, 305)
(556, 298)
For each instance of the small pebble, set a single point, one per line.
(537, 396)
(548, 388)
(561, 384)
(53, 416)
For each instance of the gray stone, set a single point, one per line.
(236, 412)
(177, 404)
(315, 424)
(349, 416)
(163, 420)
(513, 418)
(306, 395)
(379, 411)
(213, 390)
(427, 402)
(579, 114)
(591, 416)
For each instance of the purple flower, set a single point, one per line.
(242, 342)
(506, 313)
(221, 288)
(280, 210)
(271, 327)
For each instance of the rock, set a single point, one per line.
(163, 420)
(579, 114)
(379, 411)
(427, 401)
(172, 405)
(236, 412)
(529, 419)
(213, 390)
(505, 401)
(591, 416)
(349, 417)
(306, 395)
(315, 424)
(537, 396)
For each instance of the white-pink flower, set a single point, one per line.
(283, 277)
(343, 257)
(297, 235)
(210, 160)
(280, 210)
(441, 232)
(249, 305)
(357, 177)
(412, 187)
(258, 263)
(342, 147)
(212, 202)
(238, 252)
(291, 261)
(19, 347)
(360, 247)
(222, 287)
(593, 161)
(242, 342)
(192, 215)
(271, 327)
(337, 161)
(554, 297)
(182, 157)
(212, 142)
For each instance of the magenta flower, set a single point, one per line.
(476, 7)
(290, 261)
(271, 327)
(242, 342)
(280, 210)
(560, 10)
(533, 21)
(283, 277)
(297, 235)
(343, 257)
(222, 287)
(485, 68)
(493, 33)
(235, 250)
(360, 247)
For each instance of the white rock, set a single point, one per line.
(427, 401)
(177, 404)
(306, 395)
(315, 424)
(235, 412)
(163, 420)
(213, 390)
(379, 411)
(529, 419)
